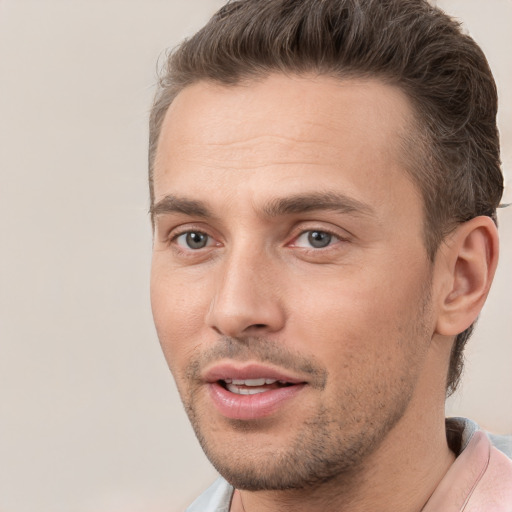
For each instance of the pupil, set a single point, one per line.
(319, 239)
(196, 240)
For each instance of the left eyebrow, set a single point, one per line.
(175, 204)
(302, 203)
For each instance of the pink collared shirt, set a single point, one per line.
(480, 480)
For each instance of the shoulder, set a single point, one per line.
(486, 455)
(217, 498)
(494, 490)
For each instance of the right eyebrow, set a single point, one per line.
(175, 204)
(301, 203)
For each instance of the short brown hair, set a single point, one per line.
(454, 149)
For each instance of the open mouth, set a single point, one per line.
(250, 391)
(252, 386)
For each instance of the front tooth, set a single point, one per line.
(249, 382)
(255, 382)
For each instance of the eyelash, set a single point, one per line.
(337, 238)
(334, 239)
(173, 239)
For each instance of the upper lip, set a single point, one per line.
(244, 371)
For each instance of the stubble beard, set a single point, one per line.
(333, 443)
(321, 451)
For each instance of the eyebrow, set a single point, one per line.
(174, 204)
(332, 201)
(299, 203)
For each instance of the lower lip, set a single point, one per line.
(251, 407)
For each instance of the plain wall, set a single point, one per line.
(89, 418)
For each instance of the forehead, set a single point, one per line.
(295, 131)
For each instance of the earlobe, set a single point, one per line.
(469, 259)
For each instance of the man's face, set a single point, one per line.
(290, 283)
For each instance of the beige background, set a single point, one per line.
(89, 419)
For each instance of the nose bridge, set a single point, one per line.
(245, 296)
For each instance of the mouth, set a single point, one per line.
(252, 391)
(252, 386)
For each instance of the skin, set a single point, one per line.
(369, 313)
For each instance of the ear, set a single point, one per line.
(466, 263)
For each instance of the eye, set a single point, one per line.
(315, 238)
(193, 240)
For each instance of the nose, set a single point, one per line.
(246, 300)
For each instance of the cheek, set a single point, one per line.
(177, 297)
(360, 311)
(367, 337)
(179, 310)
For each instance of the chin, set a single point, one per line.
(312, 455)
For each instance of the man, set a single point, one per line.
(324, 180)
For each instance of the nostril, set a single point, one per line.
(258, 326)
